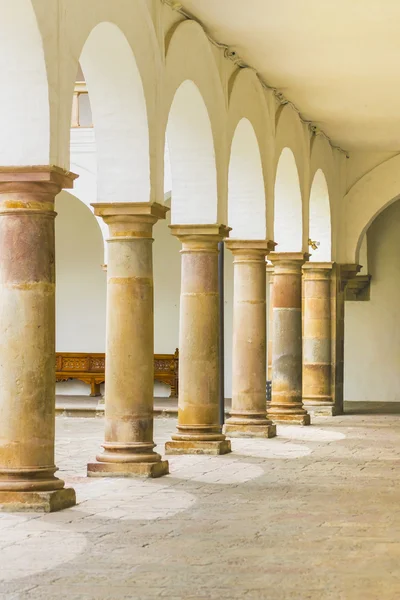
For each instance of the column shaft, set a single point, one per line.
(286, 404)
(128, 445)
(27, 330)
(199, 431)
(342, 273)
(270, 283)
(248, 414)
(317, 338)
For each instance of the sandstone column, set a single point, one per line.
(341, 274)
(27, 333)
(199, 431)
(248, 413)
(128, 445)
(317, 338)
(270, 283)
(286, 404)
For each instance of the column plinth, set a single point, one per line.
(248, 414)
(198, 430)
(317, 338)
(27, 331)
(129, 382)
(286, 404)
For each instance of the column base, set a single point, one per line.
(37, 501)
(243, 430)
(123, 469)
(198, 447)
(291, 419)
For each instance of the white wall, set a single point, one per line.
(81, 283)
(372, 328)
(167, 274)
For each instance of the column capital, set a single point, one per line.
(288, 257)
(259, 248)
(317, 270)
(128, 220)
(37, 174)
(32, 188)
(202, 232)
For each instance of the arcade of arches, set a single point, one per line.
(176, 153)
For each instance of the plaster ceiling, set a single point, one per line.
(337, 60)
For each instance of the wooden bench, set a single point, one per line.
(90, 368)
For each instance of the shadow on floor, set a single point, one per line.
(372, 408)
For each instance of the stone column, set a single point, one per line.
(248, 414)
(128, 445)
(270, 283)
(199, 431)
(341, 274)
(27, 333)
(286, 404)
(317, 338)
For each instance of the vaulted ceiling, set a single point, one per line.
(337, 60)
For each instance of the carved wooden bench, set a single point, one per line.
(90, 368)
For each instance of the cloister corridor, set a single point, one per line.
(311, 514)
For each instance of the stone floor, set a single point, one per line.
(312, 514)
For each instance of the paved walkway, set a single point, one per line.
(313, 514)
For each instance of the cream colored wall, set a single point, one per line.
(372, 329)
(81, 283)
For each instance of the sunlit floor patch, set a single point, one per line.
(215, 469)
(272, 448)
(132, 499)
(309, 434)
(37, 551)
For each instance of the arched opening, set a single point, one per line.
(24, 105)
(320, 219)
(119, 115)
(192, 158)
(288, 220)
(372, 331)
(246, 191)
(81, 284)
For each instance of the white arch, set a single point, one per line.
(192, 158)
(365, 200)
(246, 192)
(24, 101)
(288, 224)
(119, 116)
(320, 218)
(195, 125)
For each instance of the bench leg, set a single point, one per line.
(94, 389)
(174, 390)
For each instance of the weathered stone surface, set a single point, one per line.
(286, 404)
(27, 333)
(128, 469)
(249, 430)
(248, 412)
(37, 501)
(292, 514)
(198, 447)
(130, 342)
(198, 408)
(317, 337)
